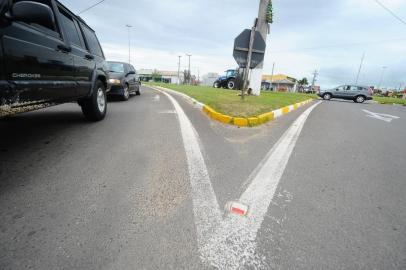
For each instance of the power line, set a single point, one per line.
(390, 11)
(343, 45)
(92, 6)
(360, 67)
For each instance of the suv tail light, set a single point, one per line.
(370, 92)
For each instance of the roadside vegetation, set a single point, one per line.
(390, 100)
(230, 103)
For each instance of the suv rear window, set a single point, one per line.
(70, 28)
(355, 88)
(92, 42)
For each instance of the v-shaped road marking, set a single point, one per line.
(228, 242)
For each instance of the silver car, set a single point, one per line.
(356, 93)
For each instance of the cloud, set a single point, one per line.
(166, 60)
(329, 36)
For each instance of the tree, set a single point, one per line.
(303, 82)
(156, 76)
(187, 77)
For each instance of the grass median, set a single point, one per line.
(228, 102)
(389, 100)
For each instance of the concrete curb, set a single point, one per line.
(237, 121)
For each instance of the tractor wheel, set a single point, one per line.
(216, 84)
(231, 84)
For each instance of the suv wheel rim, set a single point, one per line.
(327, 97)
(360, 99)
(101, 100)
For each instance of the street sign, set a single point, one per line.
(241, 48)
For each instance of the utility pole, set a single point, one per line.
(273, 69)
(263, 28)
(129, 43)
(189, 74)
(381, 79)
(179, 69)
(360, 67)
(315, 74)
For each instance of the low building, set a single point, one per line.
(209, 78)
(165, 76)
(279, 83)
(145, 75)
(169, 76)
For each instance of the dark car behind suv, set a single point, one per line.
(124, 80)
(49, 56)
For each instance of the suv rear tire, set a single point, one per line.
(95, 107)
(359, 99)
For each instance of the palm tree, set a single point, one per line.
(303, 82)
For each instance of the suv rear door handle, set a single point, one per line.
(89, 57)
(63, 48)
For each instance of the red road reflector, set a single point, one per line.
(237, 208)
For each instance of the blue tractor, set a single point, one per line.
(229, 81)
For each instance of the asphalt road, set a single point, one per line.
(117, 194)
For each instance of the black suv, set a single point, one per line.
(49, 56)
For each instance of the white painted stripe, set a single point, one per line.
(156, 98)
(206, 209)
(233, 244)
(191, 100)
(277, 113)
(167, 112)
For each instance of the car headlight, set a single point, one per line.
(114, 81)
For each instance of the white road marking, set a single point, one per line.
(205, 206)
(381, 116)
(229, 242)
(167, 112)
(156, 98)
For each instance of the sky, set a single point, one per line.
(329, 36)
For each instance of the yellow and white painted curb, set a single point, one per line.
(238, 121)
(252, 121)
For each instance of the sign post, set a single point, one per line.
(249, 52)
(249, 60)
